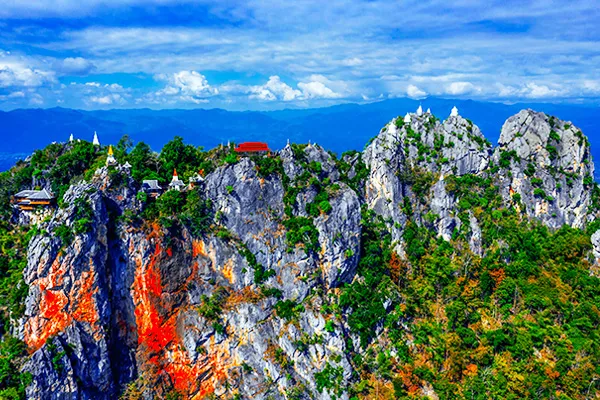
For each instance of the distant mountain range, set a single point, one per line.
(338, 128)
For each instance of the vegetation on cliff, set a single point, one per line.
(518, 319)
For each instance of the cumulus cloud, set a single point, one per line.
(36, 99)
(538, 91)
(315, 87)
(458, 88)
(109, 99)
(414, 92)
(75, 66)
(453, 53)
(15, 74)
(274, 89)
(189, 86)
(311, 90)
(591, 86)
(531, 90)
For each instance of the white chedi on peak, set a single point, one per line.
(429, 111)
(454, 112)
(96, 142)
(71, 138)
(420, 110)
(407, 118)
(392, 127)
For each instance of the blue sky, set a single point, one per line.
(260, 55)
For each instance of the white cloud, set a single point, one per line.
(36, 99)
(591, 86)
(12, 96)
(414, 92)
(16, 74)
(114, 98)
(440, 49)
(352, 62)
(538, 91)
(189, 86)
(75, 66)
(458, 88)
(313, 90)
(315, 87)
(275, 89)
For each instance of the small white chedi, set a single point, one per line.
(454, 112)
(96, 142)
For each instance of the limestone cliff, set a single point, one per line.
(246, 308)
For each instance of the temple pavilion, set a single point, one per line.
(30, 200)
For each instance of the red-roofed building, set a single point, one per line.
(252, 147)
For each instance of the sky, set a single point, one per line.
(263, 55)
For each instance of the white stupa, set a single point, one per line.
(429, 111)
(407, 118)
(96, 142)
(71, 138)
(454, 112)
(420, 110)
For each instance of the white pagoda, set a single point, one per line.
(420, 110)
(176, 183)
(71, 138)
(407, 118)
(454, 112)
(96, 142)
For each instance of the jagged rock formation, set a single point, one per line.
(404, 149)
(238, 309)
(547, 163)
(147, 286)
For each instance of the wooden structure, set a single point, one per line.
(151, 187)
(252, 148)
(29, 200)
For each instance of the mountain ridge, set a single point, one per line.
(432, 264)
(339, 128)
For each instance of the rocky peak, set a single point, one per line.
(548, 168)
(421, 145)
(243, 307)
(546, 141)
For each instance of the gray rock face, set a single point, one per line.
(68, 299)
(339, 237)
(402, 149)
(114, 304)
(443, 205)
(549, 167)
(596, 252)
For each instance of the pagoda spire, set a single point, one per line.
(96, 142)
(71, 138)
(420, 110)
(454, 112)
(407, 118)
(110, 159)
